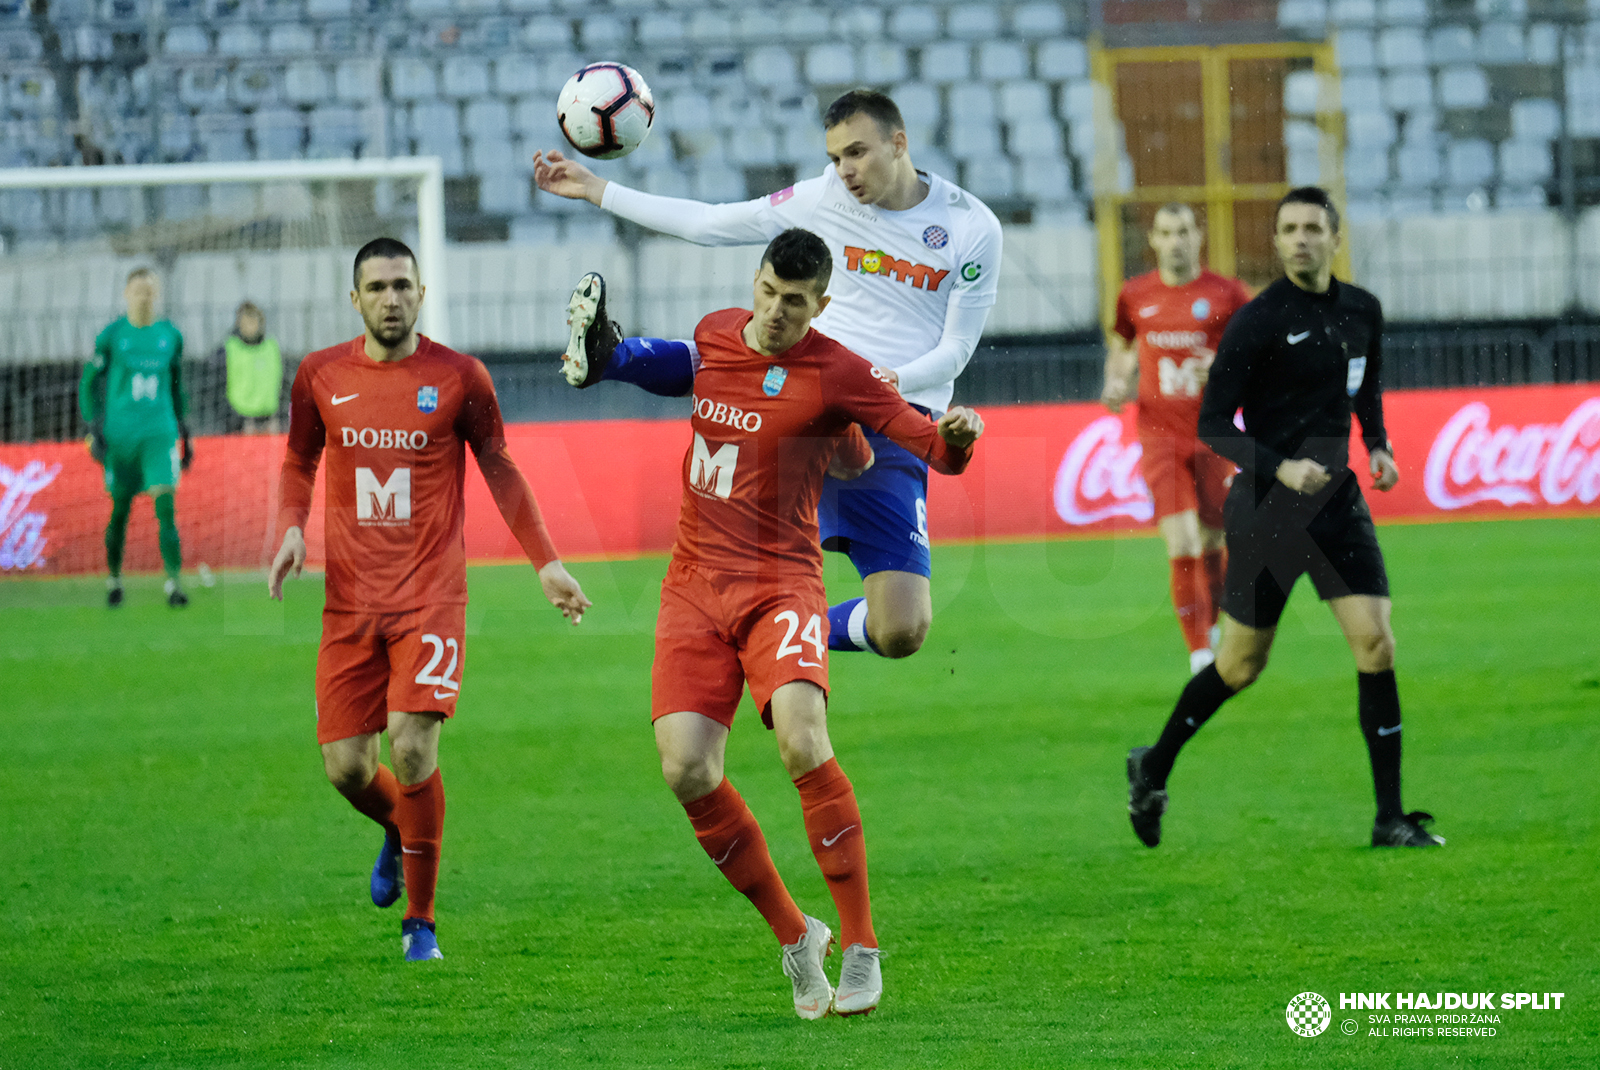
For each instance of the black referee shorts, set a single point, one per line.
(1273, 544)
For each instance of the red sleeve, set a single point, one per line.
(307, 436)
(1242, 294)
(870, 401)
(853, 451)
(1124, 322)
(482, 428)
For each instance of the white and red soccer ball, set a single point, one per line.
(605, 110)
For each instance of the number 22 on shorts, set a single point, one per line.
(812, 635)
(426, 676)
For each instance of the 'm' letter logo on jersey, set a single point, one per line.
(712, 473)
(774, 380)
(428, 398)
(383, 503)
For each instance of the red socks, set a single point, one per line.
(1191, 597)
(1215, 563)
(833, 825)
(378, 799)
(728, 832)
(420, 816)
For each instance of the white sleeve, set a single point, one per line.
(963, 326)
(740, 223)
(978, 275)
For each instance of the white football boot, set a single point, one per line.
(802, 964)
(860, 981)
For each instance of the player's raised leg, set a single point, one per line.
(1240, 659)
(1364, 619)
(833, 827)
(596, 349)
(881, 521)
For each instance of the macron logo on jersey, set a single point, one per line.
(712, 473)
(878, 262)
(387, 503)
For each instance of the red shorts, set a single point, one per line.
(720, 630)
(1183, 474)
(372, 663)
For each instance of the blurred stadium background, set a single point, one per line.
(1462, 135)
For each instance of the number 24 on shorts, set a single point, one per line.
(812, 635)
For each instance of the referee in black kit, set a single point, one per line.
(1298, 360)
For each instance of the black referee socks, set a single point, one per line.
(1202, 696)
(1379, 702)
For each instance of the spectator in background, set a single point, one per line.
(255, 371)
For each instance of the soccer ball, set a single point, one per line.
(605, 110)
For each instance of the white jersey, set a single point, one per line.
(899, 278)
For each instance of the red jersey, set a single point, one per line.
(395, 434)
(764, 431)
(1169, 323)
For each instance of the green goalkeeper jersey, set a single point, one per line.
(135, 382)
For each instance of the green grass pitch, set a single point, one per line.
(181, 887)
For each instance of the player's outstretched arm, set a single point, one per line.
(290, 560)
(556, 174)
(563, 591)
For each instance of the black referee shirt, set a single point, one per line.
(1298, 364)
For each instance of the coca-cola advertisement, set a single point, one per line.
(611, 488)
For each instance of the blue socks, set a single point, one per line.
(655, 365)
(847, 626)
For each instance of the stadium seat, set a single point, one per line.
(914, 23)
(918, 103)
(291, 39)
(1300, 91)
(1535, 119)
(1353, 13)
(991, 177)
(1034, 139)
(880, 63)
(1304, 167)
(203, 87)
(502, 192)
(336, 132)
(972, 22)
(667, 181)
(1303, 14)
(533, 116)
(322, 9)
(515, 75)
(1583, 99)
(253, 85)
(1025, 99)
(1408, 91)
(1355, 50)
(935, 160)
(548, 35)
(1403, 13)
(1401, 47)
(1521, 197)
(756, 147)
(177, 134)
(1000, 61)
(357, 81)
(1058, 61)
(757, 26)
(707, 27)
(279, 134)
(306, 82)
(412, 78)
(186, 41)
(557, 68)
(1469, 163)
(1033, 21)
(803, 25)
(1405, 204)
(1076, 103)
(1365, 170)
(488, 118)
(947, 62)
(591, 228)
(1417, 163)
(465, 76)
(1046, 181)
(1463, 86)
(600, 33)
(535, 230)
(803, 145)
(1301, 136)
(972, 140)
(1361, 91)
(718, 184)
(1524, 163)
(772, 66)
(1544, 43)
(833, 64)
(858, 22)
(687, 110)
(239, 40)
(1452, 44)
(344, 38)
(971, 104)
(1501, 42)
(222, 136)
(428, 7)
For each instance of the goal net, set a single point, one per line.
(280, 236)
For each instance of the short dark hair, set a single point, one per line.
(141, 273)
(1314, 195)
(1176, 208)
(868, 102)
(797, 255)
(384, 248)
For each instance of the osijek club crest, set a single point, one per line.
(427, 398)
(774, 381)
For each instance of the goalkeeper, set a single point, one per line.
(133, 400)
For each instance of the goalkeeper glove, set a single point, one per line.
(187, 457)
(96, 442)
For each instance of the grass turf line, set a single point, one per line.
(185, 890)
